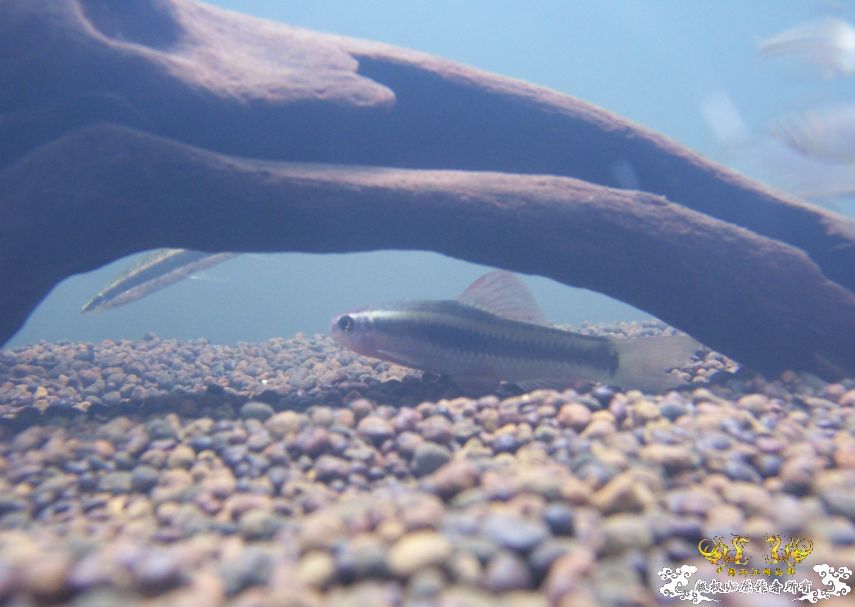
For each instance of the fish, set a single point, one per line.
(826, 134)
(156, 271)
(828, 43)
(495, 331)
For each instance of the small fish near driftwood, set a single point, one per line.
(155, 272)
(495, 331)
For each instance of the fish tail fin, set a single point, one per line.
(645, 362)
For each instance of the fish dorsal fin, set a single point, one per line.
(503, 294)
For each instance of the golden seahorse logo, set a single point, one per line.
(713, 549)
(775, 554)
(717, 552)
(739, 542)
(796, 549)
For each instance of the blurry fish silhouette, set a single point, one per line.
(793, 160)
(724, 119)
(495, 331)
(828, 43)
(825, 134)
(156, 271)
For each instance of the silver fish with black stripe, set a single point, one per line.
(496, 332)
(157, 271)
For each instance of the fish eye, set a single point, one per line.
(345, 323)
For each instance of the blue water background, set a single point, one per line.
(654, 62)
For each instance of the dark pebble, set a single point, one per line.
(768, 464)
(673, 409)
(201, 442)
(124, 460)
(159, 429)
(560, 518)
(542, 557)
(513, 532)
(144, 478)
(234, 455)
(429, 457)
(10, 504)
(361, 558)
(604, 394)
(506, 443)
(740, 471)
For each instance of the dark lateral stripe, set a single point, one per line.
(461, 328)
(158, 265)
(154, 272)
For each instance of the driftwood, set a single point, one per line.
(128, 126)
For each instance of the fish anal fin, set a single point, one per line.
(503, 294)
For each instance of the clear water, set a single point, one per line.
(657, 63)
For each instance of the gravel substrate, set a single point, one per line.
(294, 472)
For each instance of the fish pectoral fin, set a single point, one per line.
(399, 359)
(474, 385)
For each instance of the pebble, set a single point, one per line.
(560, 518)
(363, 557)
(625, 492)
(283, 424)
(181, 457)
(375, 428)
(429, 457)
(157, 571)
(575, 416)
(425, 585)
(417, 551)
(626, 531)
(116, 482)
(316, 568)
(840, 501)
(514, 532)
(435, 428)
(506, 571)
(329, 468)
(144, 478)
(293, 472)
(453, 478)
(258, 524)
(672, 457)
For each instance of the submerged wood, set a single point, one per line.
(734, 290)
(756, 275)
